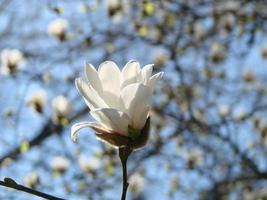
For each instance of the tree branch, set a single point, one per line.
(10, 183)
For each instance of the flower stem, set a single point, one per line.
(124, 153)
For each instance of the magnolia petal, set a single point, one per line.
(146, 73)
(92, 77)
(91, 97)
(109, 75)
(112, 119)
(94, 125)
(154, 79)
(140, 118)
(129, 73)
(114, 101)
(135, 98)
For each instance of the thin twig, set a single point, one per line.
(10, 183)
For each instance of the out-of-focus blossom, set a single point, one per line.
(61, 109)
(194, 158)
(118, 100)
(217, 52)
(227, 5)
(60, 163)
(175, 184)
(116, 9)
(160, 58)
(239, 114)
(137, 184)
(259, 122)
(11, 61)
(264, 51)
(58, 29)
(31, 179)
(6, 162)
(47, 76)
(248, 76)
(224, 110)
(199, 31)
(37, 101)
(8, 112)
(89, 165)
(227, 21)
(113, 6)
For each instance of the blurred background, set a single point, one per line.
(209, 122)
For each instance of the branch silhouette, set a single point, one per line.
(10, 183)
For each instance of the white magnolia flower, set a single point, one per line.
(118, 100)
(57, 28)
(11, 60)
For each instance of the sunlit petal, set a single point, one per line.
(130, 73)
(91, 97)
(92, 77)
(109, 75)
(112, 119)
(135, 98)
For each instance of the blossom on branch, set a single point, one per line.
(61, 109)
(37, 101)
(119, 102)
(11, 60)
(58, 29)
